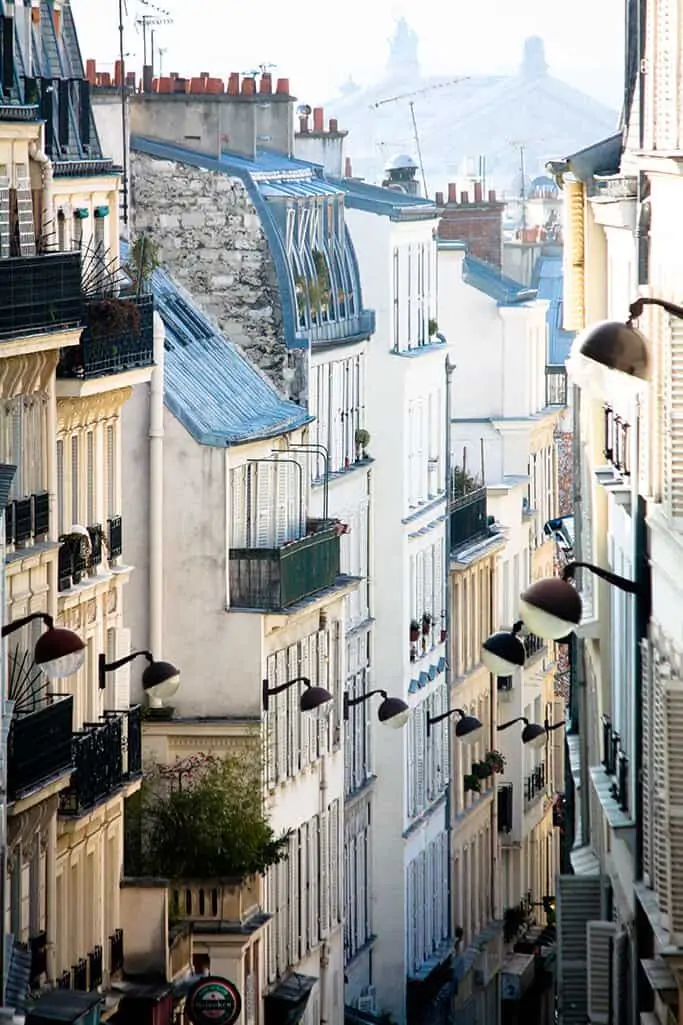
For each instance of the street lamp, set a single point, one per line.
(533, 733)
(58, 652)
(467, 726)
(392, 712)
(622, 347)
(160, 680)
(503, 652)
(311, 700)
(551, 608)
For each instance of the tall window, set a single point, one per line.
(396, 292)
(354, 562)
(427, 904)
(427, 594)
(90, 477)
(110, 449)
(23, 424)
(266, 504)
(75, 478)
(358, 732)
(337, 401)
(357, 880)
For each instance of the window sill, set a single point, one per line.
(614, 814)
(419, 350)
(359, 464)
(432, 503)
(355, 796)
(360, 951)
(425, 815)
(32, 551)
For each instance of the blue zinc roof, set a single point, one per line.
(209, 385)
(548, 279)
(492, 282)
(375, 199)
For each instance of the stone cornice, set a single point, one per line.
(26, 374)
(73, 413)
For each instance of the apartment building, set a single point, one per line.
(73, 348)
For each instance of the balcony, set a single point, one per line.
(277, 578)
(533, 645)
(505, 798)
(468, 518)
(534, 784)
(616, 444)
(106, 756)
(116, 952)
(85, 975)
(39, 747)
(80, 557)
(555, 386)
(27, 520)
(40, 294)
(119, 336)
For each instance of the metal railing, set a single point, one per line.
(610, 746)
(115, 527)
(78, 558)
(95, 967)
(276, 578)
(119, 336)
(533, 645)
(616, 442)
(39, 746)
(468, 518)
(38, 947)
(555, 386)
(116, 952)
(505, 807)
(534, 784)
(27, 519)
(40, 294)
(98, 766)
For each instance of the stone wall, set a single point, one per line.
(211, 242)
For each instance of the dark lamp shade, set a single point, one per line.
(551, 608)
(59, 652)
(468, 727)
(502, 653)
(616, 346)
(314, 698)
(161, 680)
(534, 733)
(393, 712)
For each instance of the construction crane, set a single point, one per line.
(411, 97)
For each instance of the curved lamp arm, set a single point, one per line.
(350, 702)
(105, 667)
(636, 307)
(17, 624)
(549, 727)
(269, 691)
(630, 586)
(520, 718)
(432, 719)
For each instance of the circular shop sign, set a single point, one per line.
(213, 1001)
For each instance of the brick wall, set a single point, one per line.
(474, 219)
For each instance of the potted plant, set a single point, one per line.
(413, 653)
(362, 442)
(426, 623)
(496, 760)
(471, 783)
(432, 327)
(482, 770)
(414, 630)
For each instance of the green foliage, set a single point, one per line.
(210, 825)
(472, 782)
(432, 327)
(496, 760)
(143, 260)
(462, 482)
(362, 438)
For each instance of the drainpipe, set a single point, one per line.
(449, 369)
(579, 677)
(156, 495)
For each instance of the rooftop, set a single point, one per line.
(375, 199)
(548, 280)
(492, 282)
(209, 385)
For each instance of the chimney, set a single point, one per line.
(282, 87)
(233, 84)
(479, 224)
(478, 192)
(334, 126)
(348, 169)
(438, 199)
(465, 198)
(118, 74)
(452, 193)
(318, 119)
(248, 86)
(91, 71)
(147, 77)
(266, 83)
(303, 125)
(492, 196)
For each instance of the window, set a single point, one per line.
(75, 478)
(354, 562)
(357, 880)
(90, 478)
(396, 290)
(77, 231)
(61, 231)
(427, 594)
(409, 303)
(110, 443)
(338, 403)
(427, 903)
(23, 431)
(60, 487)
(358, 732)
(266, 504)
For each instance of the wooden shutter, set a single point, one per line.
(263, 505)
(293, 903)
(420, 585)
(600, 948)
(673, 421)
(578, 903)
(110, 441)
(647, 755)
(429, 584)
(334, 864)
(238, 507)
(574, 309)
(410, 917)
(324, 870)
(293, 713)
(665, 74)
(438, 601)
(305, 722)
(411, 775)
(90, 477)
(60, 488)
(336, 415)
(279, 705)
(420, 757)
(420, 902)
(673, 775)
(363, 928)
(662, 672)
(270, 726)
(304, 888)
(314, 883)
(430, 880)
(282, 916)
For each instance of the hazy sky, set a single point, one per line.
(317, 46)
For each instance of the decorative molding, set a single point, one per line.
(23, 828)
(74, 413)
(25, 374)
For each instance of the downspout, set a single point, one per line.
(449, 369)
(578, 654)
(156, 494)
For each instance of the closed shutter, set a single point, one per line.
(323, 414)
(578, 903)
(90, 477)
(664, 73)
(263, 505)
(304, 890)
(429, 585)
(110, 441)
(238, 507)
(293, 713)
(662, 671)
(420, 756)
(271, 935)
(620, 978)
(410, 917)
(413, 587)
(336, 416)
(279, 704)
(322, 721)
(420, 585)
(673, 422)
(420, 951)
(411, 775)
(437, 736)
(306, 723)
(282, 915)
(413, 468)
(439, 603)
(646, 768)
(270, 726)
(673, 718)
(363, 559)
(334, 864)
(4, 215)
(313, 887)
(574, 310)
(600, 946)
(445, 889)
(429, 900)
(293, 953)
(324, 869)
(60, 488)
(250, 999)
(363, 889)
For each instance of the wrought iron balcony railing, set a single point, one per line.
(119, 336)
(276, 578)
(79, 557)
(468, 518)
(115, 526)
(27, 519)
(610, 746)
(39, 746)
(534, 785)
(505, 799)
(555, 386)
(116, 952)
(616, 446)
(38, 947)
(40, 294)
(533, 645)
(106, 756)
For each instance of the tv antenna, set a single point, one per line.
(151, 21)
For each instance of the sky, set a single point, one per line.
(317, 47)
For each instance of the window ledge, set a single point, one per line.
(424, 816)
(419, 350)
(355, 796)
(364, 949)
(432, 503)
(358, 464)
(32, 551)
(616, 817)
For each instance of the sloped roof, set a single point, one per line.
(492, 282)
(548, 279)
(392, 203)
(210, 386)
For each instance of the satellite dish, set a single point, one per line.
(304, 110)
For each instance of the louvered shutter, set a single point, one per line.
(111, 472)
(362, 892)
(282, 916)
(271, 935)
(27, 235)
(662, 672)
(293, 953)
(411, 775)
(413, 469)
(574, 311)
(238, 507)
(429, 586)
(336, 416)
(600, 947)
(324, 414)
(304, 888)
(620, 978)
(263, 505)
(439, 603)
(4, 215)
(673, 718)
(334, 864)
(60, 488)
(578, 903)
(647, 755)
(673, 422)
(664, 74)
(410, 917)
(420, 585)
(270, 719)
(437, 737)
(413, 587)
(420, 909)
(364, 555)
(321, 721)
(305, 722)
(420, 757)
(429, 900)
(314, 883)
(293, 713)
(324, 870)
(445, 889)
(280, 703)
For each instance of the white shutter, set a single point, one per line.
(420, 756)
(305, 722)
(304, 887)
(313, 887)
(445, 889)
(673, 718)
(362, 891)
(413, 468)
(111, 472)
(410, 917)
(282, 915)
(271, 935)
(263, 505)
(620, 976)
(75, 478)
(322, 722)
(647, 755)
(411, 775)
(60, 488)
(324, 869)
(334, 864)
(439, 603)
(437, 739)
(293, 712)
(270, 720)
(420, 580)
(323, 414)
(429, 588)
(413, 587)
(600, 947)
(90, 478)
(664, 74)
(250, 999)
(662, 671)
(238, 507)
(673, 433)
(293, 953)
(574, 310)
(429, 900)
(279, 704)
(336, 418)
(420, 909)
(363, 558)
(578, 903)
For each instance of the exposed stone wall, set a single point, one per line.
(211, 241)
(565, 472)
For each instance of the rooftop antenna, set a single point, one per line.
(162, 51)
(160, 17)
(123, 11)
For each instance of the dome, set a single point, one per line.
(401, 162)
